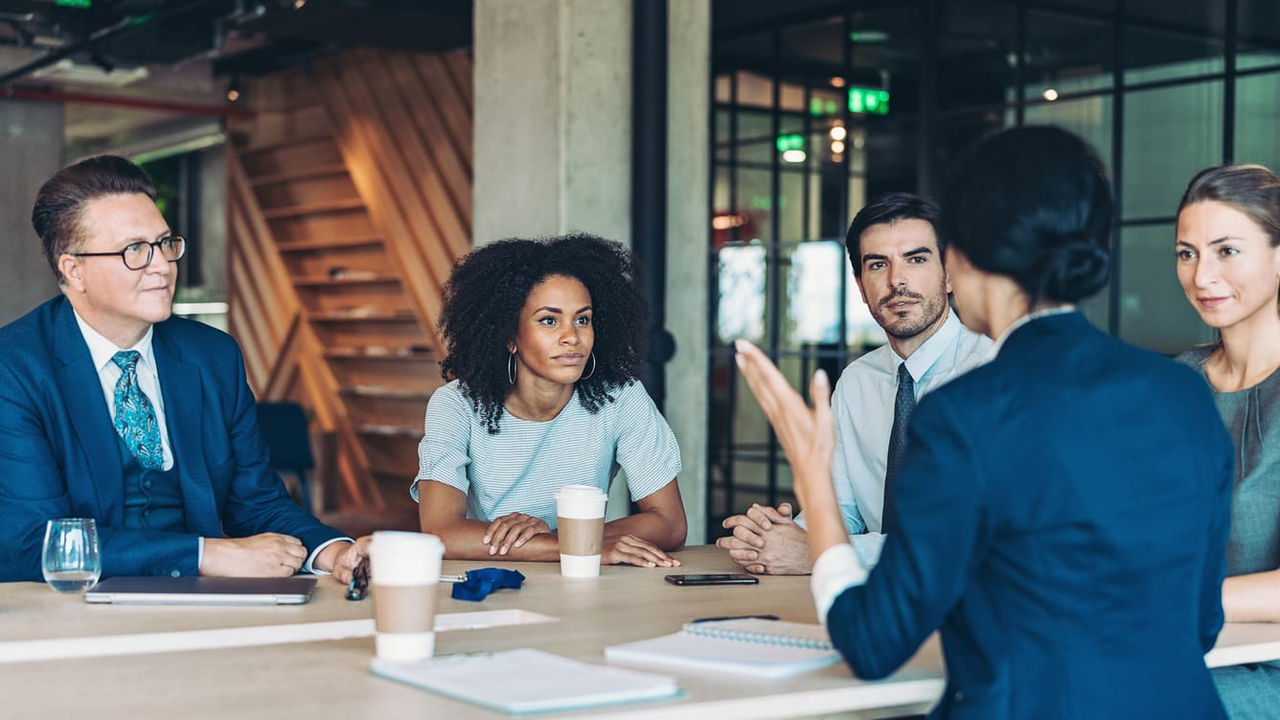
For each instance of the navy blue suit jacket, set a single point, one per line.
(1062, 518)
(60, 455)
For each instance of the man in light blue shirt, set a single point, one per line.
(896, 256)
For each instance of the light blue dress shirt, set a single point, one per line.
(862, 404)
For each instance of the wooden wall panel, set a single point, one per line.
(451, 99)
(349, 201)
(266, 317)
(405, 163)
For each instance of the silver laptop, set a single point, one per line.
(202, 591)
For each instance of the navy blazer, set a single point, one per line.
(60, 455)
(1062, 518)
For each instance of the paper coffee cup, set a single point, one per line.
(404, 568)
(580, 529)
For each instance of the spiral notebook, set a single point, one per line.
(747, 646)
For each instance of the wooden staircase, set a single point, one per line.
(331, 312)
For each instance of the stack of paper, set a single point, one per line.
(528, 681)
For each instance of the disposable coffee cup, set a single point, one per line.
(580, 528)
(404, 568)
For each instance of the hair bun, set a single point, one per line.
(1075, 270)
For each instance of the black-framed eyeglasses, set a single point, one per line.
(137, 255)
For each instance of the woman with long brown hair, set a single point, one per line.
(1228, 260)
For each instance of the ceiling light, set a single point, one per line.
(837, 147)
(233, 90)
(837, 82)
(70, 71)
(1050, 94)
(794, 156)
(838, 132)
(297, 4)
(725, 222)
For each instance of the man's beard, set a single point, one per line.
(931, 309)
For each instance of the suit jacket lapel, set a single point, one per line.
(183, 412)
(89, 420)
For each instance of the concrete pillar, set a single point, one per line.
(31, 145)
(552, 152)
(688, 231)
(552, 118)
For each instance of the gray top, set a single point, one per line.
(1252, 416)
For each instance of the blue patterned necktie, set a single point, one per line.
(903, 405)
(135, 419)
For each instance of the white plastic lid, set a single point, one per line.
(580, 492)
(399, 539)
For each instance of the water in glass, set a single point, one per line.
(71, 562)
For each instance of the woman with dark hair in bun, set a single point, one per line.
(543, 340)
(1062, 511)
(1228, 260)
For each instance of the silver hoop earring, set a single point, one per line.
(593, 368)
(511, 368)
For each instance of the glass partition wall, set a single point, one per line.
(820, 110)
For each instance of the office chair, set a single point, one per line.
(284, 429)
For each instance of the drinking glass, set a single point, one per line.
(71, 561)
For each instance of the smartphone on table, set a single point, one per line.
(712, 579)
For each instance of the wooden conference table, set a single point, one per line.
(329, 678)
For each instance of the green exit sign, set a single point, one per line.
(868, 101)
(84, 4)
(790, 142)
(823, 106)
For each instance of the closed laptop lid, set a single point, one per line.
(202, 591)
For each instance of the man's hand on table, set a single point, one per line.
(767, 541)
(264, 555)
(341, 558)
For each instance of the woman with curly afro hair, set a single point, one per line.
(543, 340)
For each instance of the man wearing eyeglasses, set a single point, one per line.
(113, 410)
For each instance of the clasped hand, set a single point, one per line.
(515, 529)
(512, 530)
(631, 550)
(767, 541)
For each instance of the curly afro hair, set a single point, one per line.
(487, 290)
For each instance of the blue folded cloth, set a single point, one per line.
(480, 583)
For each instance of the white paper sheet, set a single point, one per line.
(142, 643)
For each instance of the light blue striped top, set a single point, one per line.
(521, 468)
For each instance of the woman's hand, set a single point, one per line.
(808, 438)
(512, 530)
(806, 435)
(631, 550)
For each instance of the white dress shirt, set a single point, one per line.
(101, 350)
